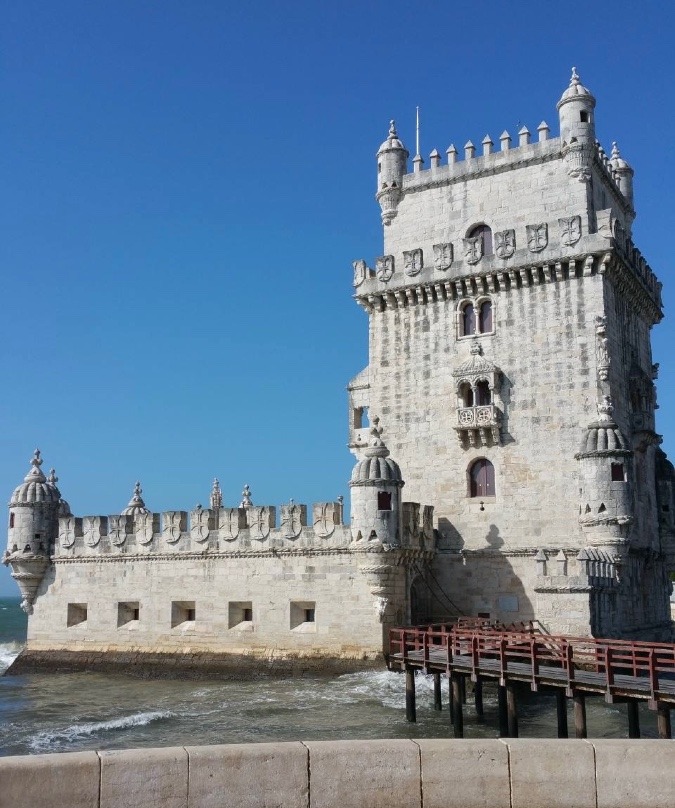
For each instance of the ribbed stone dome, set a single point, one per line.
(136, 505)
(392, 142)
(376, 466)
(35, 486)
(603, 435)
(576, 89)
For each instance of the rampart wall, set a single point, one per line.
(522, 773)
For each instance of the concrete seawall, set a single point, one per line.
(522, 773)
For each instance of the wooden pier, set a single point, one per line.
(573, 667)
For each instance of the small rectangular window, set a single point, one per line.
(183, 613)
(11, 520)
(303, 616)
(383, 501)
(128, 612)
(240, 615)
(583, 117)
(618, 475)
(77, 614)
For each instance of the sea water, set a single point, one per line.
(60, 712)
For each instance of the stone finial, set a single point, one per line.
(544, 130)
(246, 501)
(505, 140)
(605, 409)
(575, 80)
(487, 144)
(451, 151)
(216, 499)
(435, 158)
(136, 504)
(469, 150)
(52, 479)
(615, 150)
(418, 162)
(35, 473)
(392, 129)
(523, 136)
(377, 447)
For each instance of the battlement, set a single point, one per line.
(491, 161)
(229, 530)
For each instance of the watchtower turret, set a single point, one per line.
(376, 494)
(577, 127)
(623, 173)
(392, 159)
(34, 511)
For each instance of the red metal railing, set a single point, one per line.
(568, 662)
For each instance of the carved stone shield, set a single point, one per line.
(199, 524)
(384, 268)
(91, 529)
(228, 521)
(443, 256)
(413, 262)
(117, 529)
(172, 526)
(144, 528)
(67, 532)
(570, 230)
(360, 271)
(291, 521)
(537, 236)
(473, 249)
(324, 519)
(259, 522)
(505, 243)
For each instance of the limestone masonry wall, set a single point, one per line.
(514, 773)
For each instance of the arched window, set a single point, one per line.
(485, 317)
(481, 478)
(485, 234)
(483, 394)
(468, 320)
(466, 394)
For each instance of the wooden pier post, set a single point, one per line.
(633, 718)
(451, 700)
(458, 716)
(438, 701)
(663, 720)
(512, 709)
(410, 709)
(478, 697)
(561, 711)
(580, 715)
(503, 717)
(462, 688)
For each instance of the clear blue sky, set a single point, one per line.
(185, 185)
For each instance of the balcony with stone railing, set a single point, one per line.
(479, 425)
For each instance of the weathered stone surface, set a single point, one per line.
(551, 773)
(354, 774)
(70, 779)
(248, 776)
(480, 773)
(155, 778)
(631, 773)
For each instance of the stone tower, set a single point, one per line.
(34, 510)
(509, 310)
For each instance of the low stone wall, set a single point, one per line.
(523, 773)
(189, 665)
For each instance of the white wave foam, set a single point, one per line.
(9, 651)
(47, 741)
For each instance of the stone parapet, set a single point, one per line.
(435, 773)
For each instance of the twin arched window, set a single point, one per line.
(476, 322)
(481, 478)
(480, 396)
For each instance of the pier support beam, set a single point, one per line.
(580, 715)
(458, 715)
(633, 718)
(512, 709)
(451, 700)
(663, 720)
(438, 701)
(503, 717)
(462, 688)
(478, 697)
(561, 712)
(410, 708)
